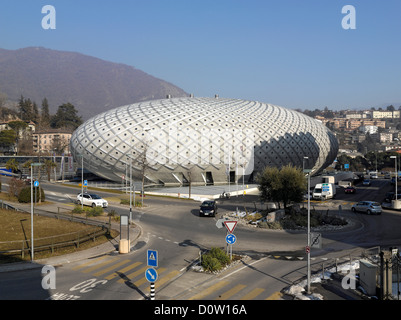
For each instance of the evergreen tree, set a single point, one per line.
(45, 115)
(66, 117)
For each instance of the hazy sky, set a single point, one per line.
(287, 52)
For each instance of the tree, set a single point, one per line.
(27, 109)
(45, 114)
(66, 117)
(7, 139)
(12, 165)
(49, 165)
(286, 185)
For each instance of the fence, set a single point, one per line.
(22, 247)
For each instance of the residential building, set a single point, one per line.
(51, 141)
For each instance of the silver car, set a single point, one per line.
(367, 206)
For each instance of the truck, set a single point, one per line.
(328, 179)
(324, 191)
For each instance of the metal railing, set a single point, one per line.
(95, 229)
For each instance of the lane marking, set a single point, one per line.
(253, 294)
(115, 274)
(275, 296)
(247, 266)
(114, 266)
(228, 294)
(88, 263)
(209, 290)
(99, 265)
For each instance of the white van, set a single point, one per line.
(324, 191)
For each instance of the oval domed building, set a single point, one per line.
(202, 140)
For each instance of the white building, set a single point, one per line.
(205, 140)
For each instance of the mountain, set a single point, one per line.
(92, 85)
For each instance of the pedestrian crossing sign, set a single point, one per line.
(152, 258)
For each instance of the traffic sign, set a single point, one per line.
(36, 184)
(307, 249)
(152, 258)
(316, 240)
(230, 225)
(85, 183)
(151, 274)
(230, 238)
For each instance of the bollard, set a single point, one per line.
(152, 291)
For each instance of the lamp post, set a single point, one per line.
(396, 176)
(35, 164)
(308, 246)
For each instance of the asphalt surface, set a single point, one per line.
(328, 289)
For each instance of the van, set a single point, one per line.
(324, 191)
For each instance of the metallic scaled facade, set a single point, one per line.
(203, 140)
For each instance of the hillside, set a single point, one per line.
(92, 85)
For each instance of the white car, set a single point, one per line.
(93, 200)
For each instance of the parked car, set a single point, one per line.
(93, 200)
(374, 176)
(350, 189)
(366, 182)
(208, 208)
(367, 206)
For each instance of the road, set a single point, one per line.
(174, 228)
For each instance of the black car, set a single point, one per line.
(349, 189)
(208, 208)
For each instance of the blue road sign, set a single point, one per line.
(152, 258)
(85, 183)
(151, 274)
(230, 239)
(36, 184)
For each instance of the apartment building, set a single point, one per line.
(51, 141)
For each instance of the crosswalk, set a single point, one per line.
(125, 271)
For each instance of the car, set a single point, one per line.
(366, 182)
(208, 208)
(374, 176)
(367, 206)
(350, 189)
(387, 175)
(91, 199)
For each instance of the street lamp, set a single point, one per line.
(35, 164)
(308, 246)
(395, 168)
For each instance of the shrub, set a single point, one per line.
(94, 212)
(220, 255)
(215, 259)
(24, 195)
(211, 264)
(78, 209)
